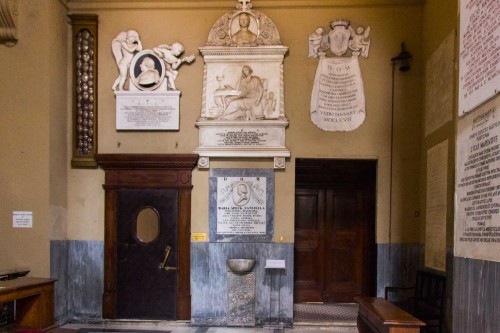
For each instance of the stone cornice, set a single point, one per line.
(95, 5)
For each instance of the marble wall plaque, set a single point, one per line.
(241, 205)
(479, 44)
(338, 98)
(147, 110)
(435, 217)
(477, 212)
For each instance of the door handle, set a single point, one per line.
(164, 262)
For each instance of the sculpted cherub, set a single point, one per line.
(170, 55)
(359, 41)
(124, 47)
(315, 42)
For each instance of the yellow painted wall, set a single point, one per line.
(440, 19)
(390, 26)
(69, 203)
(33, 101)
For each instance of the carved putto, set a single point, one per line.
(243, 27)
(148, 68)
(339, 40)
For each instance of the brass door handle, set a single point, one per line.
(163, 264)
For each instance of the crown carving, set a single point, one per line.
(340, 22)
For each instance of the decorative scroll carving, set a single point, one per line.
(8, 22)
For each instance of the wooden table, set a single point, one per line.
(34, 301)
(376, 315)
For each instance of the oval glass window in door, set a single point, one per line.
(147, 225)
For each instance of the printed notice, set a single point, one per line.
(338, 98)
(22, 219)
(479, 52)
(477, 226)
(241, 205)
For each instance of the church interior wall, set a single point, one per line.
(68, 204)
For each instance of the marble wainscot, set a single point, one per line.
(243, 111)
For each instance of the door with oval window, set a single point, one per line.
(147, 254)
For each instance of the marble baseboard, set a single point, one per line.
(79, 268)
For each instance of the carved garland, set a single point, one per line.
(84, 90)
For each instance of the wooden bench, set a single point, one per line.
(34, 301)
(377, 315)
(426, 301)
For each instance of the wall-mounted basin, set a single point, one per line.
(241, 266)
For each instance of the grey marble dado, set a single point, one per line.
(79, 268)
(59, 271)
(209, 288)
(476, 296)
(397, 265)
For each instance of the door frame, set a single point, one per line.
(147, 171)
(318, 172)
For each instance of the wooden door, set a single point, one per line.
(145, 172)
(147, 269)
(334, 235)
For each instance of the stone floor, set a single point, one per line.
(184, 327)
(309, 318)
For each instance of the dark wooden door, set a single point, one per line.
(147, 271)
(334, 233)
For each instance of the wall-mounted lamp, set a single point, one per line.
(404, 58)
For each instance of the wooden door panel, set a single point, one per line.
(144, 289)
(309, 273)
(335, 230)
(343, 269)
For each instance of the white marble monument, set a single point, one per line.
(243, 112)
(151, 101)
(338, 98)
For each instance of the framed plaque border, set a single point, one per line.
(212, 189)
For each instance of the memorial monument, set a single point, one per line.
(151, 101)
(243, 111)
(337, 98)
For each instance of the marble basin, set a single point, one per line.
(240, 266)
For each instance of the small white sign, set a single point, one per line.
(22, 219)
(275, 264)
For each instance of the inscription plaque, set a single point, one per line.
(241, 205)
(477, 227)
(338, 99)
(147, 110)
(479, 56)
